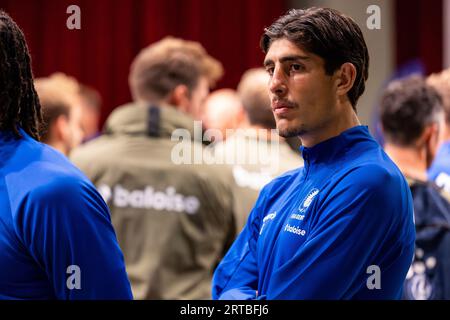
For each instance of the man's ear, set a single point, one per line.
(429, 140)
(180, 98)
(60, 128)
(429, 136)
(345, 78)
(435, 135)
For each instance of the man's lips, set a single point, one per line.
(281, 108)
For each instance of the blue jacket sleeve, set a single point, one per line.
(66, 227)
(236, 277)
(353, 224)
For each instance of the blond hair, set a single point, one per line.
(57, 94)
(441, 82)
(162, 66)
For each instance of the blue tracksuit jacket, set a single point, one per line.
(56, 236)
(341, 227)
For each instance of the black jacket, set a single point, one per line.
(429, 275)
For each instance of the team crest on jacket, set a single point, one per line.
(308, 200)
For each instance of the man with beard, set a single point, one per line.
(341, 227)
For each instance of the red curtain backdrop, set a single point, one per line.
(113, 31)
(419, 33)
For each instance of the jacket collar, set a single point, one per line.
(148, 120)
(334, 147)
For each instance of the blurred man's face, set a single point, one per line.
(223, 110)
(73, 134)
(303, 97)
(90, 119)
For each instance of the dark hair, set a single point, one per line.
(19, 103)
(331, 35)
(407, 107)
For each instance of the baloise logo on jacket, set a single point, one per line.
(148, 198)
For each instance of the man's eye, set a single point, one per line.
(296, 67)
(270, 70)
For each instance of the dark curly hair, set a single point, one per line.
(331, 35)
(19, 102)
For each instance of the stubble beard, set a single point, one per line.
(291, 132)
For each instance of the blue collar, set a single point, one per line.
(8, 135)
(328, 150)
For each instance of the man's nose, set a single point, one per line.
(277, 83)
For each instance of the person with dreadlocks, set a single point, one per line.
(56, 236)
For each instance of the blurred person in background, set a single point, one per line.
(439, 171)
(91, 104)
(413, 123)
(223, 110)
(56, 236)
(174, 221)
(258, 155)
(61, 110)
